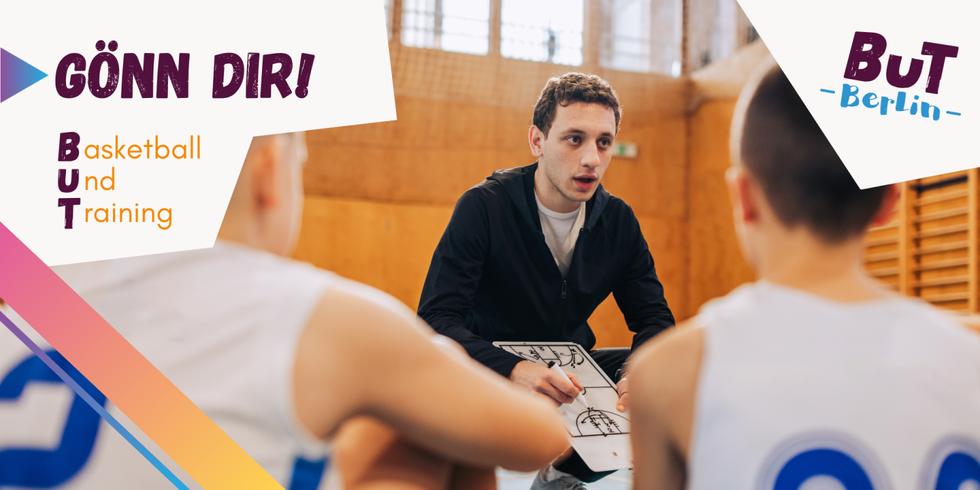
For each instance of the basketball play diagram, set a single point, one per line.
(599, 423)
(599, 432)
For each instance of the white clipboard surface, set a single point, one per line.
(599, 432)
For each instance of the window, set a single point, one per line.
(641, 35)
(452, 25)
(716, 29)
(631, 35)
(542, 30)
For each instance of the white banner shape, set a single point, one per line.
(140, 84)
(898, 121)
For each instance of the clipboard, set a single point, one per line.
(599, 433)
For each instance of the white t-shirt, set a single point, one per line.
(223, 325)
(797, 391)
(561, 232)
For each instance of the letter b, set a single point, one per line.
(68, 147)
(871, 56)
(848, 95)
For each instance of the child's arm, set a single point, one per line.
(365, 353)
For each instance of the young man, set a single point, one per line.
(265, 346)
(816, 376)
(532, 251)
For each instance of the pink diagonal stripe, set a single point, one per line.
(117, 369)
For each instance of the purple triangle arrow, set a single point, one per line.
(16, 75)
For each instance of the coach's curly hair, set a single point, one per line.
(569, 88)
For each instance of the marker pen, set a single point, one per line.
(554, 367)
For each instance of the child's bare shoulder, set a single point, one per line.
(663, 379)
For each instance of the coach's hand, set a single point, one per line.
(538, 378)
(622, 389)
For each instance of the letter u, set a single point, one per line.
(65, 186)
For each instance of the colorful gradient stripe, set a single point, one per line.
(116, 368)
(46, 359)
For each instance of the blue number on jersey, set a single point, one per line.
(957, 469)
(46, 468)
(307, 474)
(818, 462)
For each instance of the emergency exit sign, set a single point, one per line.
(624, 150)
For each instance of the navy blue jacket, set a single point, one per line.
(493, 277)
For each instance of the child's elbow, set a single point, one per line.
(550, 442)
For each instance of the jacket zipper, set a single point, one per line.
(562, 307)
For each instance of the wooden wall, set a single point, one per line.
(716, 265)
(929, 248)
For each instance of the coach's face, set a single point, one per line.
(574, 155)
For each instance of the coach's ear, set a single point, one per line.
(535, 139)
(887, 209)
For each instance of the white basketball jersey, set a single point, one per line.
(222, 324)
(800, 392)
